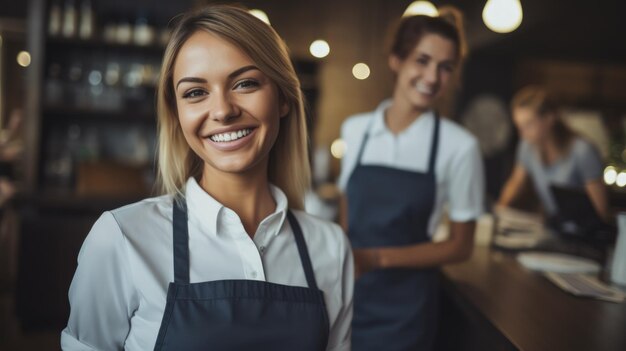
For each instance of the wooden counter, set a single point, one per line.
(493, 303)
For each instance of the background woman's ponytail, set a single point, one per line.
(454, 16)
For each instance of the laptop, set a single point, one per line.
(577, 217)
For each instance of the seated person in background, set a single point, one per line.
(550, 153)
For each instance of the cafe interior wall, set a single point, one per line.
(553, 34)
(357, 31)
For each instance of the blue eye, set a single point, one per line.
(193, 93)
(246, 84)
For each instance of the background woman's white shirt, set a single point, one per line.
(458, 169)
(118, 293)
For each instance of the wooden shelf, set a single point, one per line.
(73, 114)
(61, 44)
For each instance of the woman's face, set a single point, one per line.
(229, 111)
(531, 127)
(425, 73)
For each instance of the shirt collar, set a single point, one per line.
(212, 210)
(378, 125)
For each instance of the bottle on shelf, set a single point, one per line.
(123, 32)
(54, 19)
(86, 28)
(109, 30)
(69, 19)
(143, 33)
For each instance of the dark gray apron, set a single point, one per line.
(240, 314)
(394, 309)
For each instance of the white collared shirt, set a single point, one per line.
(458, 167)
(118, 293)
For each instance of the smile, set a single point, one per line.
(425, 89)
(230, 136)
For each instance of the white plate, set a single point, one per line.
(556, 262)
(516, 241)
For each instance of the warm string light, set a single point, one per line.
(421, 8)
(319, 48)
(338, 148)
(502, 16)
(23, 58)
(610, 175)
(260, 14)
(620, 181)
(361, 71)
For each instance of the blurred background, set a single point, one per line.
(78, 124)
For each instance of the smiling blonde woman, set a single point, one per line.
(225, 259)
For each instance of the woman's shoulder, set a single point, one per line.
(152, 204)
(147, 213)
(356, 124)
(587, 156)
(114, 228)
(583, 147)
(451, 130)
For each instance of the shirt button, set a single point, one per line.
(253, 274)
(262, 249)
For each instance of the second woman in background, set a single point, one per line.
(551, 154)
(403, 164)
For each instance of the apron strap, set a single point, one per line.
(365, 137)
(364, 141)
(181, 245)
(181, 242)
(434, 146)
(302, 250)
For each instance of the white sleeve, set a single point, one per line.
(102, 296)
(466, 185)
(346, 162)
(341, 329)
(352, 133)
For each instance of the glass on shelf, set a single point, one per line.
(95, 82)
(54, 89)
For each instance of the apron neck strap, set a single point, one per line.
(363, 143)
(181, 245)
(302, 250)
(435, 145)
(181, 242)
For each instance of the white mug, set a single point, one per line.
(618, 268)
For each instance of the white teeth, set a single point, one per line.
(423, 89)
(231, 136)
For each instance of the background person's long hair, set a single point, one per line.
(288, 161)
(538, 99)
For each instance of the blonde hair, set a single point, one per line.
(288, 161)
